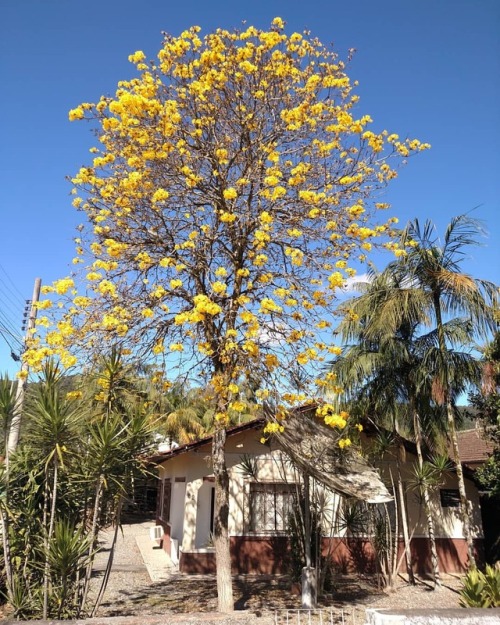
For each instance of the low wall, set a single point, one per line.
(433, 617)
(357, 555)
(212, 618)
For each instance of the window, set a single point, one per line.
(450, 498)
(165, 500)
(271, 506)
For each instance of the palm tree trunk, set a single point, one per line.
(92, 542)
(109, 564)
(427, 504)
(46, 568)
(221, 523)
(464, 502)
(404, 519)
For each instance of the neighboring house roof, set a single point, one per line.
(474, 448)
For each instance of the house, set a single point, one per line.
(263, 493)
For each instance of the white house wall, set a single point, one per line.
(447, 520)
(192, 498)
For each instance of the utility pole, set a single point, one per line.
(15, 425)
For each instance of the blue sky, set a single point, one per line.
(428, 69)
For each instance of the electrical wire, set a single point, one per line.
(8, 325)
(17, 293)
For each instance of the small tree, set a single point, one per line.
(232, 187)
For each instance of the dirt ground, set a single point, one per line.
(346, 603)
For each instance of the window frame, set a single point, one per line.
(274, 511)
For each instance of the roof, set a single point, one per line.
(160, 457)
(473, 447)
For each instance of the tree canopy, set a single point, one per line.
(232, 187)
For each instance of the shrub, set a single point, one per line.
(481, 590)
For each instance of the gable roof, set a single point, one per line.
(301, 438)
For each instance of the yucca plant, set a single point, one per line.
(492, 585)
(7, 407)
(67, 555)
(66, 481)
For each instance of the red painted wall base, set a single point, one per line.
(271, 556)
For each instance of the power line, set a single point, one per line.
(13, 354)
(8, 325)
(17, 292)
(15, 338)
(6, 298)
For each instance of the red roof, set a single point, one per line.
(473, 447)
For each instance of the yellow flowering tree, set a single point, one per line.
(229, 198)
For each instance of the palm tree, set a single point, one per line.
(381, 372)
(434, 269)
(391, 366)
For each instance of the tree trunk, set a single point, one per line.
(92, 542)
(404, 522)
(109, 564)
(464, 504)
(465, 510)
(221, 524)
(427, 504)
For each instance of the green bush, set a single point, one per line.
(481, 590)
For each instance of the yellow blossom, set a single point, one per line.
(230, 194)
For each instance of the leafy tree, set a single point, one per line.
(229, 198)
